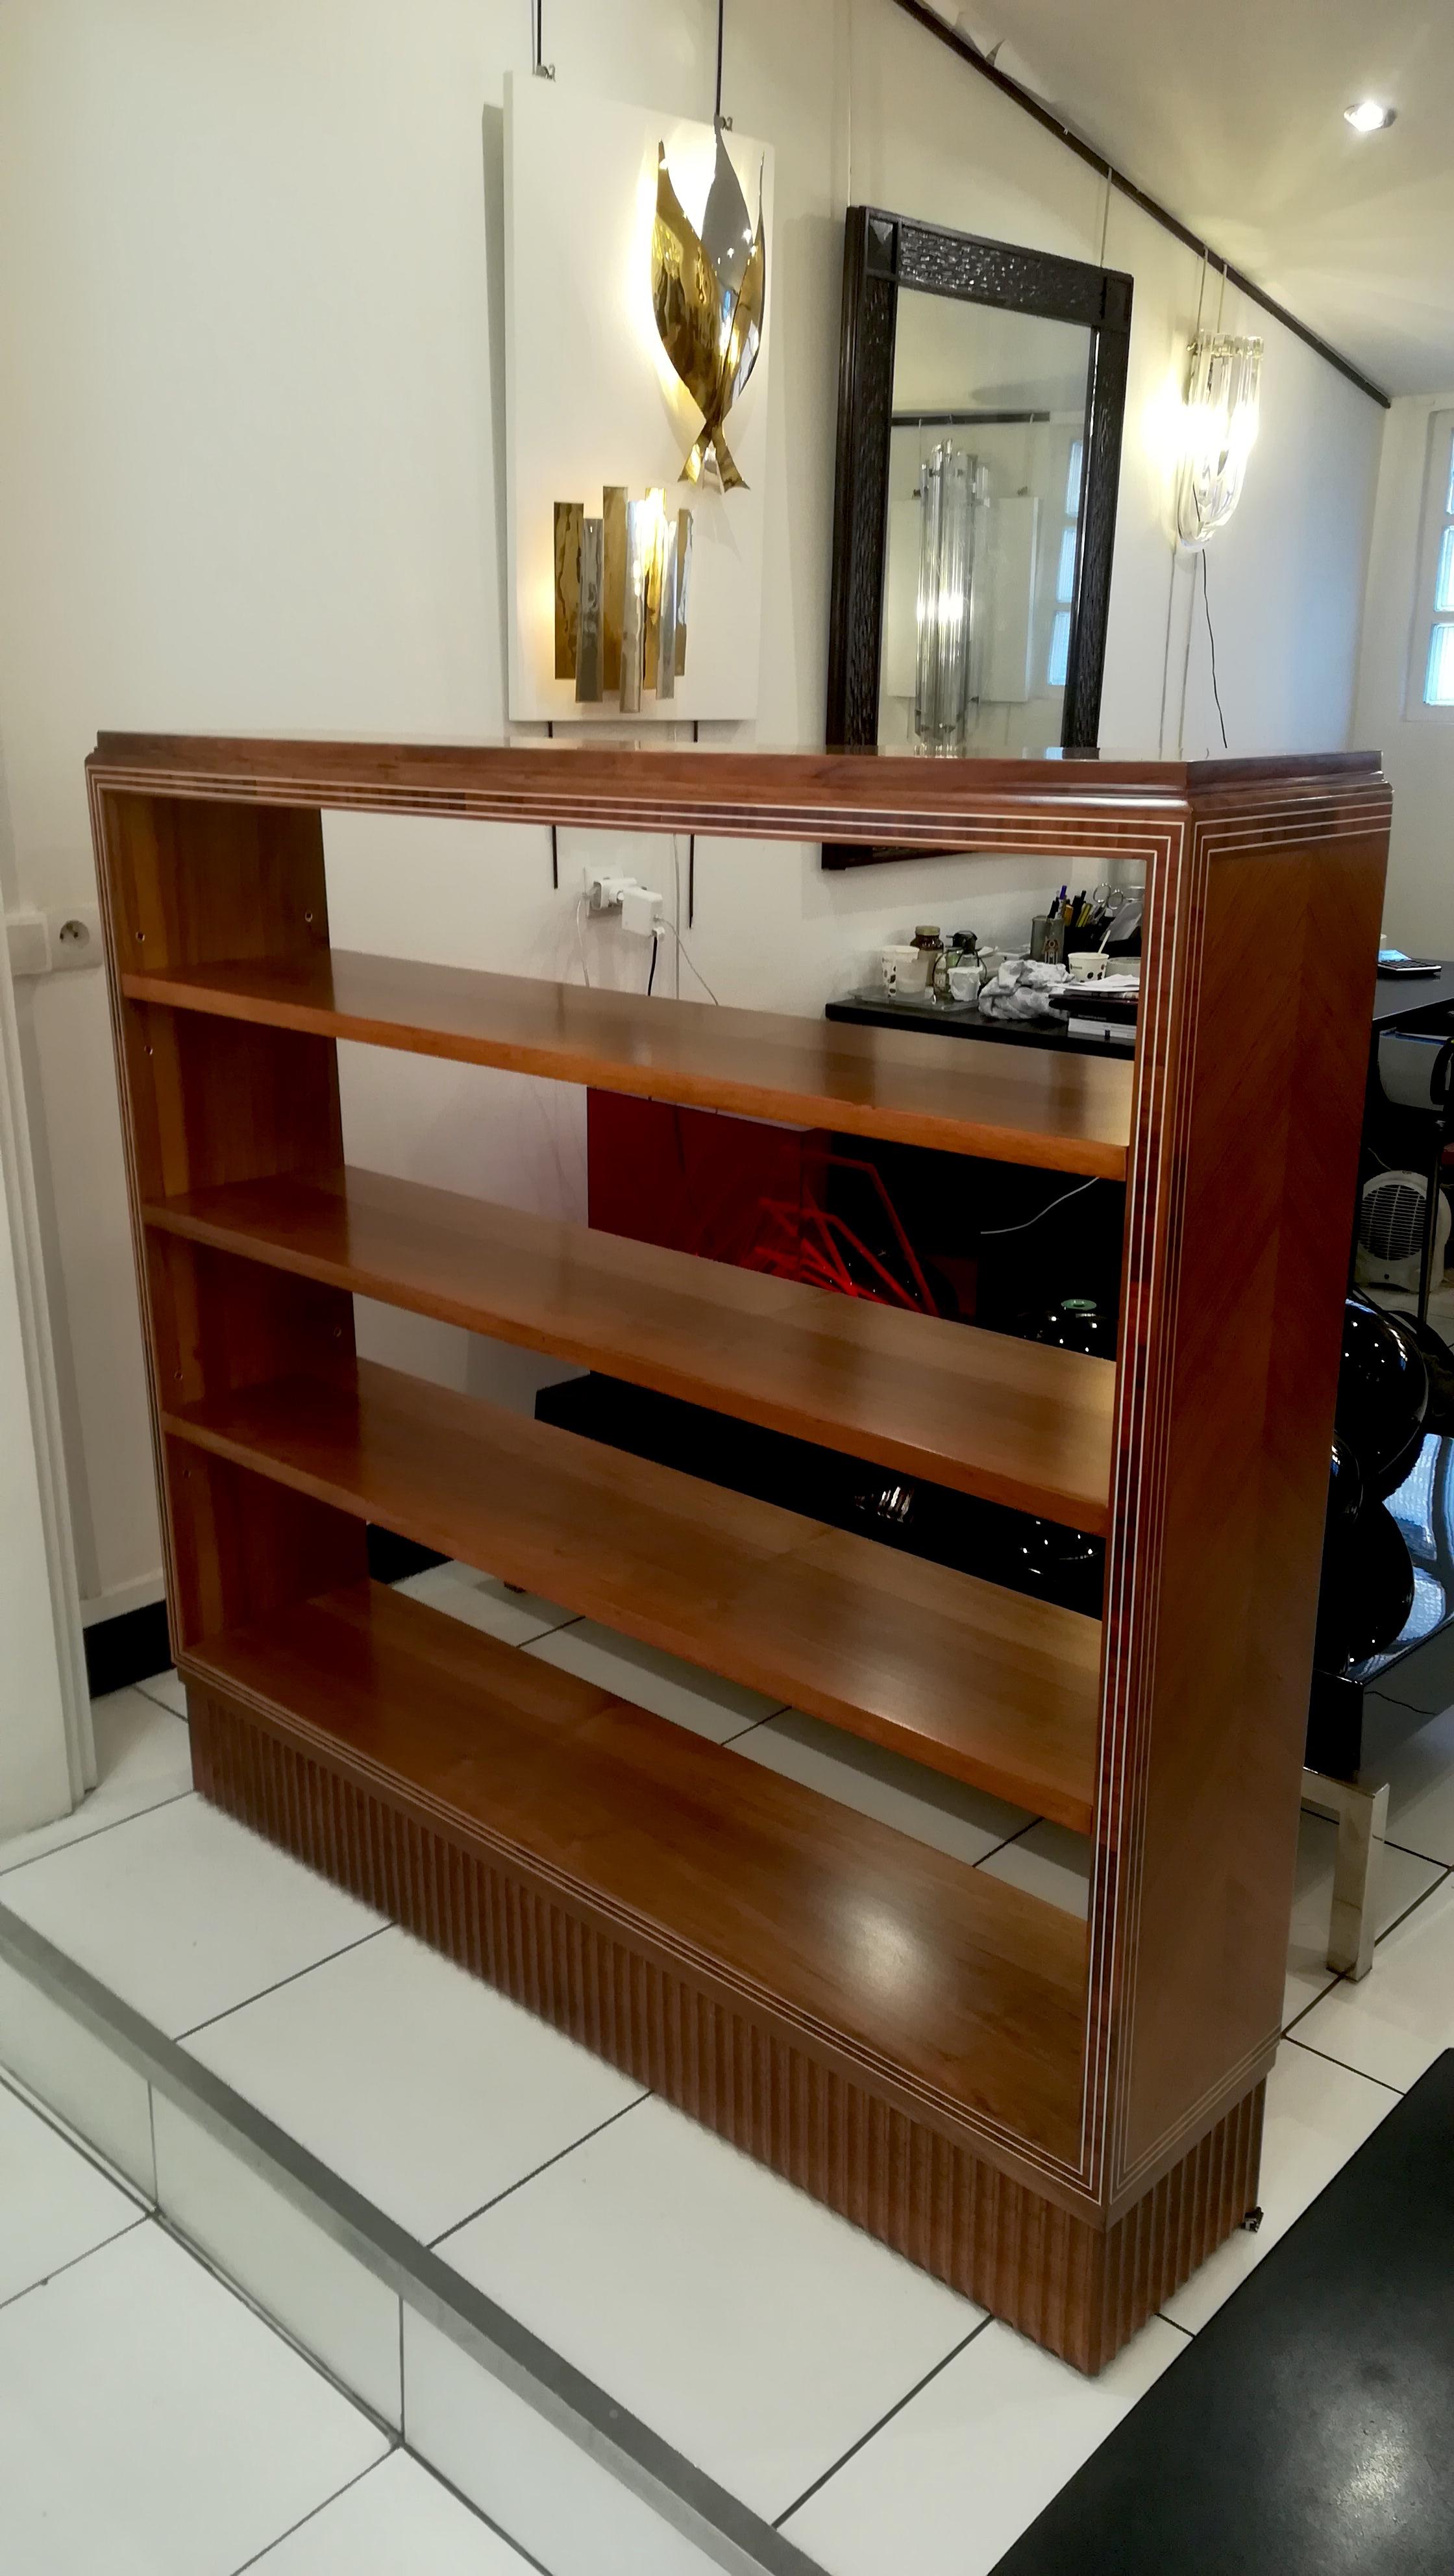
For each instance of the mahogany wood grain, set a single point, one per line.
(964, 1676)
(1063, 1113)
(1246, 1170)
(971, 1990)
(208, 1102)
(985, 1413)
(863, 795)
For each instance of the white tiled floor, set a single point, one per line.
(690, 1697)
(820, 2379)
(149, 2422)
(427, 2091)
(184, 1913)
(759, 2333)
(957, 2474)
(143, 1758)
(395, 2521)
(152, 2425)
(55, 2205)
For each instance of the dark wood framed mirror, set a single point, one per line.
(981, 397)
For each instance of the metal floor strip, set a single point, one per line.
(691, 2503)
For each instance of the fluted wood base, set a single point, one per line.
(1077, 2287)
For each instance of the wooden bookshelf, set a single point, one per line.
(875, 1642)
(1064, 1113)
(1011, 1421)
(1061, 2120)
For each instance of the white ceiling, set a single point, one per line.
(1231, 113)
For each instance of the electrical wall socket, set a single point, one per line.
(605, 891)
(54, 943)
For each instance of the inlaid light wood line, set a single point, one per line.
(988, 1414)
(1054, 1112)
(794, 795)
(986, 1685)
(1182, 974)
(1150, 1156)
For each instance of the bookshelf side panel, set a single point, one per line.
(204, 1102)
(1243, 1189)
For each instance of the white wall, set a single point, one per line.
(1418, 750)
(251, 479)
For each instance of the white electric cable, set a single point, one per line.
(682, 949)
(581, 901)
(1065, 1197)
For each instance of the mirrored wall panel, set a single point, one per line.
(986, 477)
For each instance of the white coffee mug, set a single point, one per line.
(904, 970)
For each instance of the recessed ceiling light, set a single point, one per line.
(1369, 116)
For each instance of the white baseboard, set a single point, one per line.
(122, 1597)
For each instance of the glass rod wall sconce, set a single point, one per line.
(949, 481)
(1220, 417)
(621, 594)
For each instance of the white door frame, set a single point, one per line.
(47, 1757)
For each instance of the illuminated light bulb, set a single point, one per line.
(1369, 116)
(1219, 429)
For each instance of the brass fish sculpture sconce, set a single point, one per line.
(709, 294)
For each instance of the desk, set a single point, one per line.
(1414, 1001)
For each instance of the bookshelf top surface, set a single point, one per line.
(785, 795)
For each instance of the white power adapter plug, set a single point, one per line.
(640, 906)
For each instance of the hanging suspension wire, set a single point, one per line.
(721, 18)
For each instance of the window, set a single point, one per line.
(1431, 661)
(1059, 662)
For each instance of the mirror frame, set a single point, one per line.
(881, 253)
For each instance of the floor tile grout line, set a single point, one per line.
(143, 2218)
(155, 1696)
(1412, 1852)
(1413, 1908)
(14, 2084)
(93, 1833)
(1326, 2054)
(887, 2418)
(526, 2556)
(304, 2519)
(1335, 1978)
(434, 2242)
(181, 2037)
(206, 2261)
(751, 1727)
(692, 2504)
(1017, 1836)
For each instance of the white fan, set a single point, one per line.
(1391, 1231)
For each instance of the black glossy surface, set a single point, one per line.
(1309, 2429)
(962, 1020)
(1413, 1000)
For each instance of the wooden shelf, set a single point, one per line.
(962, 1985)
(962, 1675)
(1008, 1420)
(1017, 1105)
